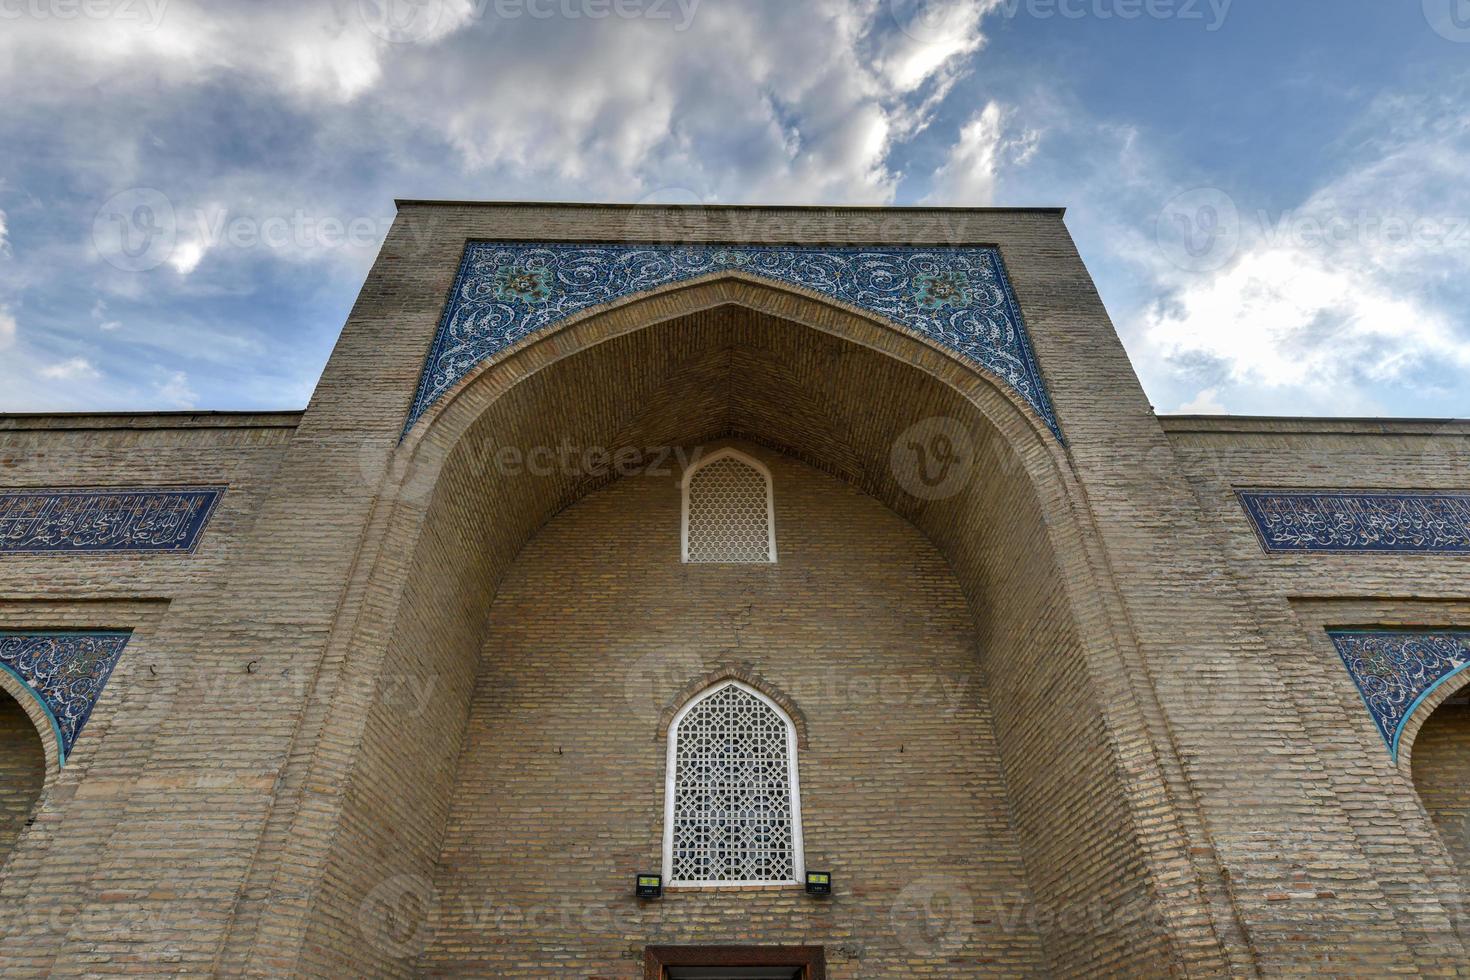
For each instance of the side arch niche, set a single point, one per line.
(27, 761)
(1435, 750)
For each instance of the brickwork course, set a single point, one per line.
(404, 710)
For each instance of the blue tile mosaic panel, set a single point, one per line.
(1395, 670)
(959, 297)
(104, 520)
(1359, 520)
(65, 671)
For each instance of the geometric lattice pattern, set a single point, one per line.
(733, 813)
(65, 671)
(105, 520)
(1395, 670)
(959, 297)
(729, 513)
(1359, 520)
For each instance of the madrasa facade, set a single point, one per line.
(732, 592)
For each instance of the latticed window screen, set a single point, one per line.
(734, 814)
(728, 513)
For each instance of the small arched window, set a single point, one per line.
(728, 512)
(732, 805)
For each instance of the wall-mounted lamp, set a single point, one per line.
(649, 886)
(819, 883)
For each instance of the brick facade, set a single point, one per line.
(398, 714)
(861, 623)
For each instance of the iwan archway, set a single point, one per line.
(726, 358)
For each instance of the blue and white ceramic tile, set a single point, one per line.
(959, 297)
(104, 520)
(65, 671)
(1395, 670)
(1359, 520)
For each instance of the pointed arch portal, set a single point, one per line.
(739, 356)
(958, 297)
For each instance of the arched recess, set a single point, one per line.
(514, 444)
(1452, 686)
(1437, 740)
(29, 758)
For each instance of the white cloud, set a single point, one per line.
(1283, 316)
(932, 36)
(1206, 402)
(741, 106)
(1368, 317)
(186, 256)
(99, 313)
(7, 328)
(777, 102)
(4, 236)
(72, 369)
(1358, 292)
(310, 51)
(174, 391)
(989, 139)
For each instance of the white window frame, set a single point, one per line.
(798, 857)
(687, 481)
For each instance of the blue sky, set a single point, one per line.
(1272, 196)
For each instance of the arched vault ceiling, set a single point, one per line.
(763, 383)
(958, 297)
(730, 371)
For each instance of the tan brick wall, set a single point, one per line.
(22, 771)
(1191, 786)
(141, 762)
(1394, 865)
(558, 800)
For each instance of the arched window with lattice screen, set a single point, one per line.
(732, 805)
(729, 516)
